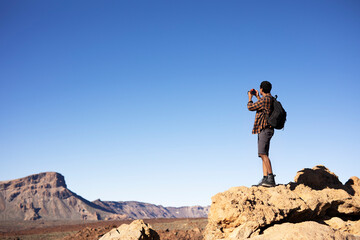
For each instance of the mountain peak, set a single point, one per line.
(41, 180)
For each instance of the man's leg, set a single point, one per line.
(264, 138)
(267, 169)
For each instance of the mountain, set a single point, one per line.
(140, 210)
(46, 196)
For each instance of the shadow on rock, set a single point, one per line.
(319, 178)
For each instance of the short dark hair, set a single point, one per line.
(266, 86)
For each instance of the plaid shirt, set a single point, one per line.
(262, 108)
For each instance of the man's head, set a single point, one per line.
(265, 87)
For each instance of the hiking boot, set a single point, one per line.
(261, 182)
(269, 181)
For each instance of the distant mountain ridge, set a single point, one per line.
(139, 210)
(46, 196)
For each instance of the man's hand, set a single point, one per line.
(257, 94)
(250, 95)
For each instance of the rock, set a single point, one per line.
(316, 195)
(137, 230)
(351, 227)
(305, 231)
(89, 233)
(318, 178)
(353, 186)
(31, 213)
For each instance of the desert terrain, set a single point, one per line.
(181, 229)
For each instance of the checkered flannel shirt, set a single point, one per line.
(262, 108)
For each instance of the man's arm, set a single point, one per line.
(254, 106)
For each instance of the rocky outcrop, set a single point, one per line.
(317, 201)
(137, 230)
(141, 210)
(44, 196)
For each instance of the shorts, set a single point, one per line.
(264, 138)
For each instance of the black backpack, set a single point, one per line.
(277, 118)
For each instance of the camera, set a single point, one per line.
(253, 91)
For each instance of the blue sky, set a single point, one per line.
(146, 100)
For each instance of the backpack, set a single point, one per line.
(277, 118)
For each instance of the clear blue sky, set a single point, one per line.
(146, 100)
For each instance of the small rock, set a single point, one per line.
(137, 230)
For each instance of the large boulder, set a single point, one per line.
(316, 195)
(137, 230)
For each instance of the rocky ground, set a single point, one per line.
(315, 206)
(180, 229)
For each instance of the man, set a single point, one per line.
(263, 107)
